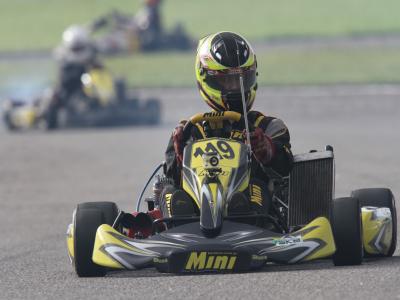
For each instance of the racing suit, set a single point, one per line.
(281, 162)
(69, 81)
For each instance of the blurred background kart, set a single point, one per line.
(101, 101)
(119, 33)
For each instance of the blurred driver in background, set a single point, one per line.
(75, 56)
(148, 21)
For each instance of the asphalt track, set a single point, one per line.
(43, 176)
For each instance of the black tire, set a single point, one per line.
(153, 112)
(380, 197)
(120, 89)
(51, 119)
(346, 226)
(88, 217)
(7, 121)
(109, 210)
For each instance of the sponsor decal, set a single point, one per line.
(237, 135)
(160, 260)
(203, 172)
(202, 261)
(256, 196)
(214, 114)
(259, 257)
(288, 240)
(235, 71)
(168, 202)
(382, 213)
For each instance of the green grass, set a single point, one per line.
(276, 67)
(258, 19)
(174, 69)
(38, 24)
(327, 66)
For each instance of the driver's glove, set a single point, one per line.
(139, 224)
(262, 146)
(177, 137)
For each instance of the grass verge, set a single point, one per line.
(38, 24)
(276, 67)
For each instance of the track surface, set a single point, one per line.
(43, 176)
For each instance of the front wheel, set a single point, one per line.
(88, 217)
(346, 226)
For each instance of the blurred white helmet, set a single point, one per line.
(75, 35)
(76, 45)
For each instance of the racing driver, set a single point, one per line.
(75, 56)
(221, 58)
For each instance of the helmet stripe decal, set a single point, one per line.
(209, 100)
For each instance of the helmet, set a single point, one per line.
(76, 38)
(76, 45)
(152, 3)
(221, 59)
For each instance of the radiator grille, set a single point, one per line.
(311, 187)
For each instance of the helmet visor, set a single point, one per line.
(229, 81)
(78, 48)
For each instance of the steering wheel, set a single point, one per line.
(215, 116)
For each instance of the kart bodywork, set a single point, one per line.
(238, 247)
(302, 229)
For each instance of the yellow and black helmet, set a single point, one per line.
(221, 59)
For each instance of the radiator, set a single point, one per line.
(311, 187)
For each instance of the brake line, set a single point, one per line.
(139, 201)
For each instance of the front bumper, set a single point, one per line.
(238, 248)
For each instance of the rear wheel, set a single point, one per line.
(7, 121)
(346, 226)
(153, 112)
(120, 89)
(50, 119)
(88, 217)
(380, 197)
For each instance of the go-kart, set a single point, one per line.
(304, 222)
(119, 33)
(101, 101)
